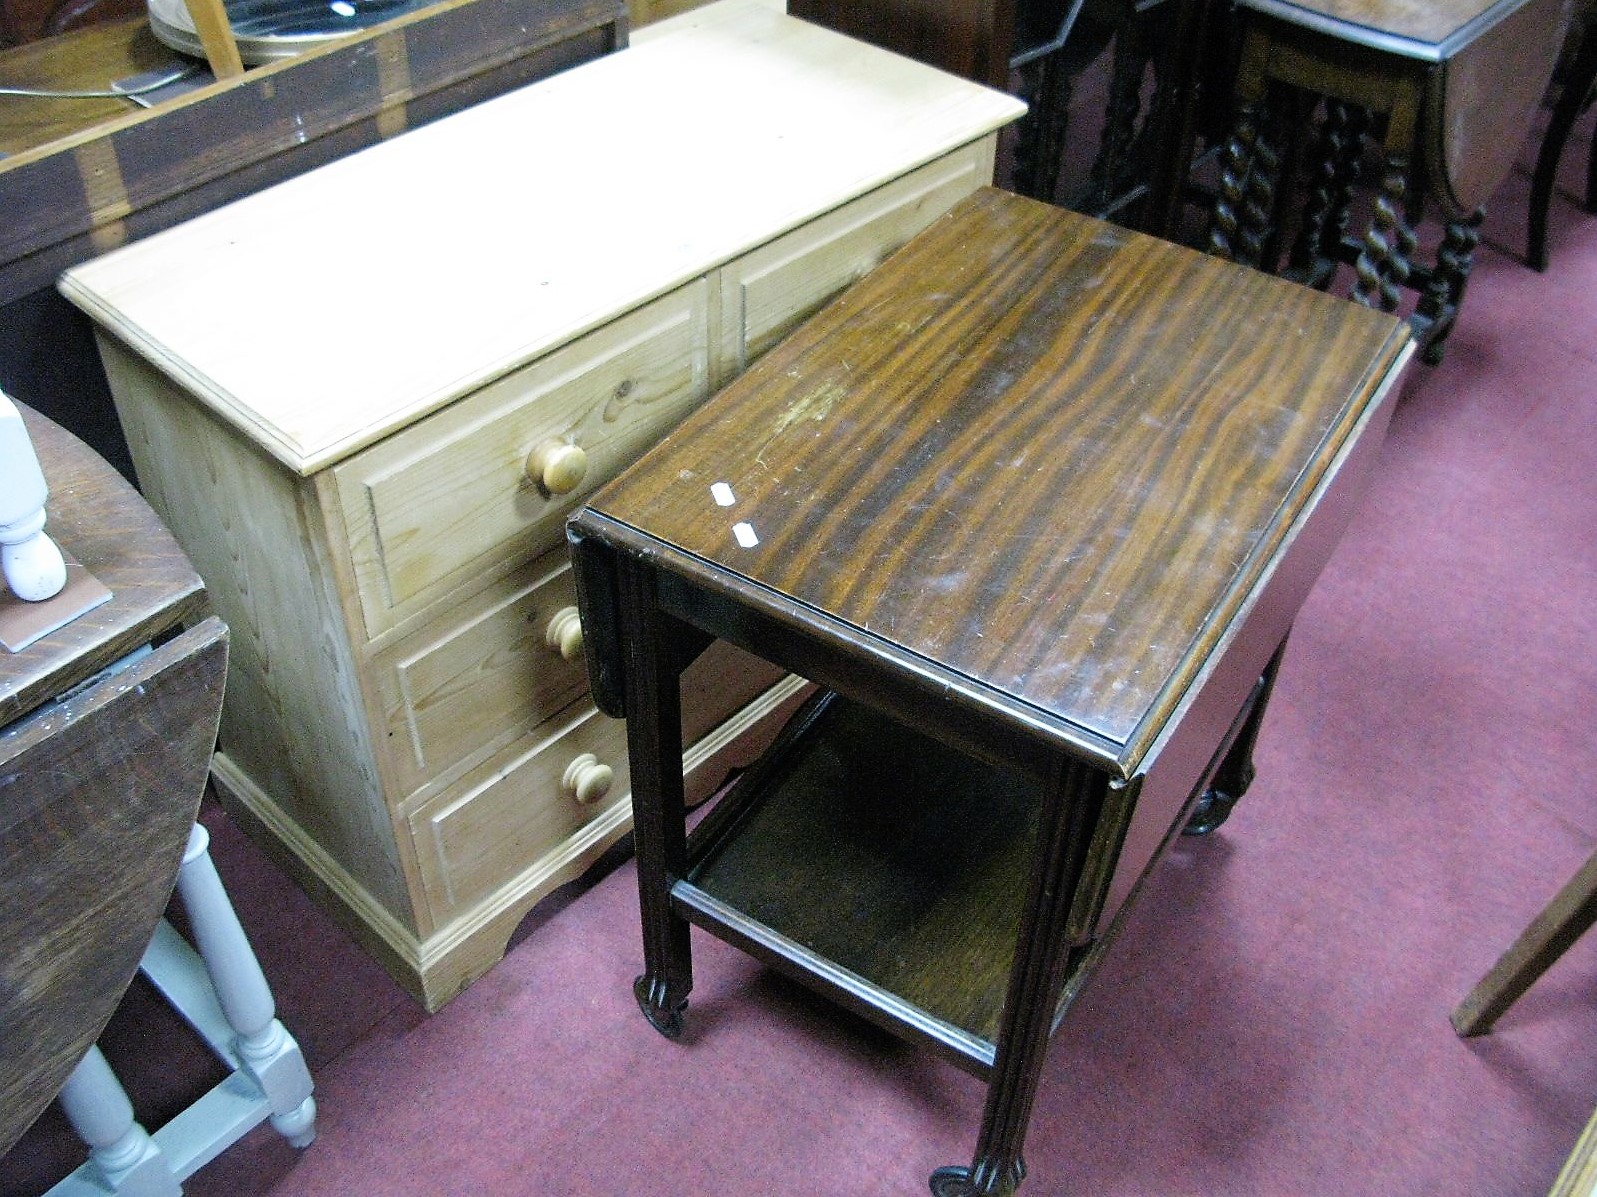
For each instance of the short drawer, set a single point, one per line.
(767, 293)
(526, 808)
(451, 499)
(496, 667)
(512, 816)
(506, 661)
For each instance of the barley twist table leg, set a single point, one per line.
(1235, 166)
(1438, 308)
(1381, 264)
(1258, 199)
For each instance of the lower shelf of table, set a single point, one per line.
(880, 866)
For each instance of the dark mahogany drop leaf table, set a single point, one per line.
(1034, 504)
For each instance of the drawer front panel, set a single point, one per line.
(510, 819)
(769, 292)
(508, 815)
(446, 501)
(496, 669)
(485, 675)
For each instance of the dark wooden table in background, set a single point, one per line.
(1155, 65)
(1036, 502)
(1446, 90)
(89, 60)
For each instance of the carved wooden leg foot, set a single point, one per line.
(980, 1181)
(660, 1006)
(1235, 773)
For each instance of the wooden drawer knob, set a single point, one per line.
(586, 779)
(564, 634)
(558, 467)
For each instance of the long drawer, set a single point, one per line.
(771, 291)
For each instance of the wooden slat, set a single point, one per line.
(216, 35)
(1578, 1178)
(1569, 915)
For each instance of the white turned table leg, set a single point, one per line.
(268, 1054)
(127, 1158)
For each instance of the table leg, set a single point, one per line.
(1438, 308)
(1383, 264)
(1571, 103)
(1133, 51)
(1341, 141)
(1227, 235)
(1046, 85)
(1571, 913)
(1075, 799)
(128, 1161)
(267, 1053)
(654, 744)
(1235, 773)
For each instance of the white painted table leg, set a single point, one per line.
(128, 1160)
(268, 1054)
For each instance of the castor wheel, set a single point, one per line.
(957, 1181)
(663, 1012)
(1213, 809)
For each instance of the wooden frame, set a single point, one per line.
(77, 197)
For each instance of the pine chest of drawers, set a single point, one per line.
(365, 400)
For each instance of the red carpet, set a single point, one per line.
(1274, 1020)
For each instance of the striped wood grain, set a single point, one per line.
(997, 451)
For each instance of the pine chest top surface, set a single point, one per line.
(1042, 454)
(326, 312)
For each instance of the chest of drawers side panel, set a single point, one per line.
(293, 720)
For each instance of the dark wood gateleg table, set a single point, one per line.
(1035, 505)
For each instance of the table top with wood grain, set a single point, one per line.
(97, 790)
(1426, 29)
(1040, 457)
